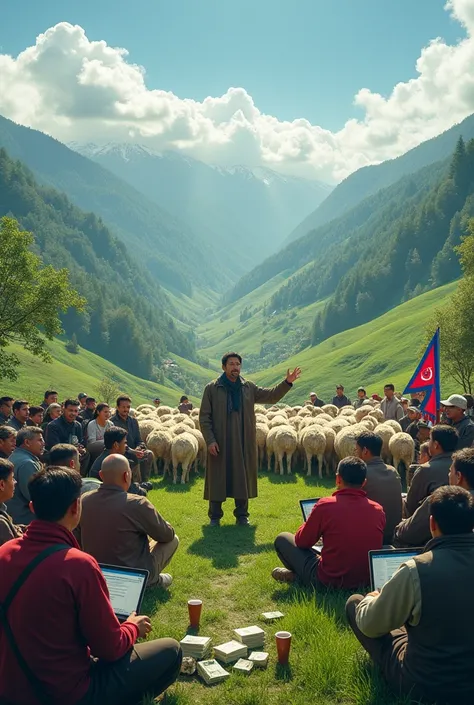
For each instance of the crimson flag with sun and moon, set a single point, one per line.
(426, 379)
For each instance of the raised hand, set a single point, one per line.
(293, 376)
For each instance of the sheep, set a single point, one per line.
(346, 411)
(166, 417)
(261, 431)
(394, 424)
(260, 409)
(330, 409)
(329, 459)
(286, 441)
(345, 442)
(338, 424)
(370, 422)
(273, 414)
(316, 410)
(202, 457)
(146, 426)
(184, 450)
(296, 422)
(278, 421)
(402, 448)
(186, 420)
(159, 442)
(163, 410)
(305, 411)
(261, 418)
(313, 440)
(385, 432)
(377, 414)
(271, 448)
(361, 412)
(132, 413)
(144, 407)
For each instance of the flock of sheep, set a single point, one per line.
(284, 434)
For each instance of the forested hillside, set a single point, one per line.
(370, 179)
(126, 320)
(166, 248)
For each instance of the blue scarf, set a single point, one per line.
(234, 392)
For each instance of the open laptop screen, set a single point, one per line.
(126, 587)
(384, 563)
(307, 507)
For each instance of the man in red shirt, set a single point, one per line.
(62, 620)
(349, 524)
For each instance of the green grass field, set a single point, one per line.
(229, 568)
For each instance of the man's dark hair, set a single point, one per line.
(463, 461)
(183, 398)
(446, 436)
(61, 453)
(52, 492)
(353, 471)
(114, 435)
(123, 397)
(452, 508)
(415, 402)
(369, 441)
(6, 432)
(27, 434)
(18, 403)
(389, 386)
(228, 355)
(36, 410)
(89, 399)
(470, 400)
(5, 400)
(6, 469)
(48, 393)
(71, 402)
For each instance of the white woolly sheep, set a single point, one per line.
(184, 450)
(163, 410)
(159, 442)
(278, 421)
(305, 411)
(345, 442)
(313, 440)
(377, 414)
(261, 418)
(261, 431)
(286, 441)
(402, 448)
(330, 409)
(394, 424)
(146, 426)
(338, 424)
(361, 412)
(271, 448)
(346, 411)
(329, 457)
(385, 432)
(144, 407)
(166, 417)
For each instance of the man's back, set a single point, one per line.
(350, 525)
(384, 487)
(427, 479)
(115, 527)
(465, 429)
(61, 609)
(26, 465)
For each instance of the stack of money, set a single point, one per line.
(212, 672)
(271, 616)
(230, 651)
(253, 637)
(259, 659)
(198, 647)
(243, 665)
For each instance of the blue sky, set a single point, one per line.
(300, 58)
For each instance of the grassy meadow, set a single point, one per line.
(229, 568)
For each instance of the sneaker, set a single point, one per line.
(215, 522)
(146, 486)
(165, 580)
(242, 521)
(283, 575)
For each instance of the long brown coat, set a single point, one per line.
(213, 418)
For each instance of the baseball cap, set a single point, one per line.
(340, 386)
(423, 424)
(82, 395)
(313, 394)
(456, 400)
(361, 389)
(416, 409)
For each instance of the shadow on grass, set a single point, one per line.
(282, 479)
(166, 482)
(154, 597)
(223, 545)
(283, 673)
(328, 600)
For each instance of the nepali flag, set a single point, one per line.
(426, 379)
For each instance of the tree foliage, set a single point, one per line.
(31, 297)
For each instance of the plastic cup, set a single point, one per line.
(194, 609)
(283, 643)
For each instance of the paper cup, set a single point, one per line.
(194, 609)
(283, 643)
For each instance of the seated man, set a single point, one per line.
(434, 474)
(50, 397)
(415, 531)
(383, 481)
(455, 410)
(26, 461)
(7, 441)
(8, 530)
(62, 615)
(115, 442)
(424, 651)
(136, 451)
(20, 411)
(349, 525)
(123, 529)
(67, 429)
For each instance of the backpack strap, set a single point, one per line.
(34, 682)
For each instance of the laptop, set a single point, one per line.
(386, 561)
(306, 506)
(126, 588)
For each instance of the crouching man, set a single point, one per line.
(60, 615)
(349, 525)
(424, 648)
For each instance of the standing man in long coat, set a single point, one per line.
(227, 420)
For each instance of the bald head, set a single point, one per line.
(115, 470)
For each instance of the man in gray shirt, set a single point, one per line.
(390, 406)
(26, 461)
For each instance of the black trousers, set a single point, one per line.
(302, 561)
(241, 509)
(149, 668)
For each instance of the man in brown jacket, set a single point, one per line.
(383, 481)
(125, 529)
(227, 420)
(424, 651)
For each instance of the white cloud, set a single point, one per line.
(77, 89)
